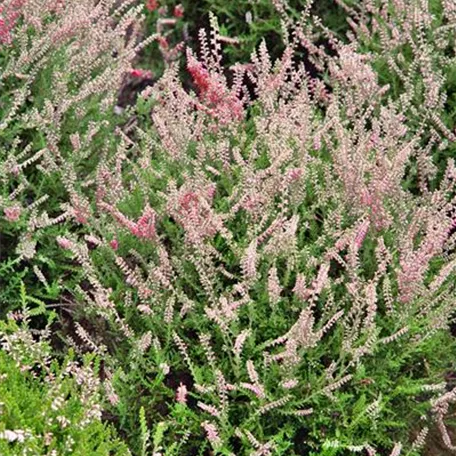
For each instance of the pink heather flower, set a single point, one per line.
(138, 73)
(361, 234)
(178, 11)
(211, 189)
(255, 389)
(219, 102)
(209, 409)
(252, 202)
(81, 211)
(9, 14)
(181, 394)
(114, 244)
(13, 213)
(289, 384)
(189, 201)
(145, 309)
(366, 197)
(145, 226)
(300, 289)
(64, 243)
(151, 5)
(212, 433)
(113, 398)
(163, 42)
(192, 210)
(294, 174)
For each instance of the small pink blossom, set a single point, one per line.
(64, 243)
(181, 394)
(289, 384)
(113, 398)
(114, 244)
(145, 309)
(361, 234)
(216, 98)
(9, 14)
(80, 210)
(163, 43)
(211, 190)
(255, 389)
(212, 433)
(145, 226)
(151, 5)
(13, 213)
(139, 73)
(209, 409)
(294, 174)
(178, 11)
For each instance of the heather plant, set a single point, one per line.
(410, 46)
(243, 24)
(61, 66)
(48, 406)
(250, 260)
(286, 294)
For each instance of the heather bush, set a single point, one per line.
(49, 406)
(281, 279)
(410, 47)
(265, 262)
(61, 66)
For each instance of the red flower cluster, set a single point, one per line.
(220, 102)
(145, 226)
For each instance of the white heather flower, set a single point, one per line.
(13, 436)
(289, 384)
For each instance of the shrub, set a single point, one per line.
(47, 406)
(279, 275)
(265, 268)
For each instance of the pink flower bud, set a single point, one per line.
(13, 213)
(181, 394)
(212, 433)
(178, 11)
(163, 42)
(114, 244)
(151, 5)
(138, 73)
(64, 243)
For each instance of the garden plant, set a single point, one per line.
(228, 228)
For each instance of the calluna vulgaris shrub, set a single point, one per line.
(262, 265)
(49, 407)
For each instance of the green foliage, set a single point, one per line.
(47, 405)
